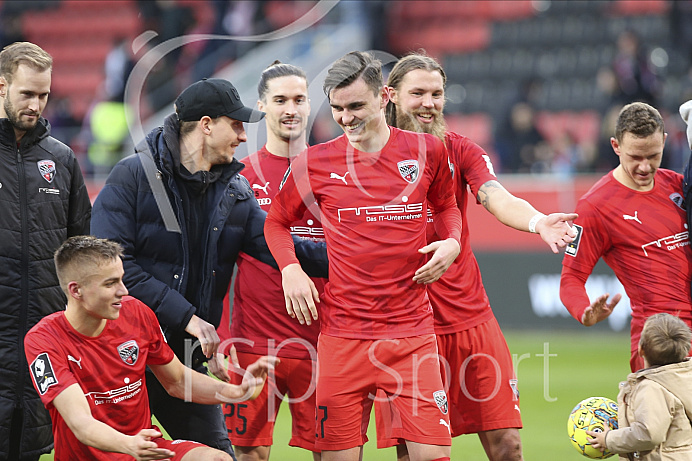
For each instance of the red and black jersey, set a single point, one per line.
(109, 368)
(644, 239)
(373, 208)
(259, 315)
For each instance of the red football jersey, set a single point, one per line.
(259, 315)
(643, 237)
(109, 368)
(374, 212)
(458, 298)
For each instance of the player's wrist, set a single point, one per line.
(534, 220)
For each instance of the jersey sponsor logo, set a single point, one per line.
(262, 188)
(627, 217)
(48, 190)
(489, 164)
(306, 231)
(671, 242)
(47, 169)
(385, 212)
(573, 247)
(264, 201)
(408, 170)
(72, 359)
(129, 352)
(678, 200)
(116, 395)
(339, 177)
(441, 401)
(42, 372)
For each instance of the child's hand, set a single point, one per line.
(598, 440)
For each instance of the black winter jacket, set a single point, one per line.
(157, 261)
(43, 200)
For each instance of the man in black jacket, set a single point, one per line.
(182, 212)
(43, 201)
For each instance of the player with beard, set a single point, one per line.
(43, 200)
(260, 325)
(372, 187)
(468, 335)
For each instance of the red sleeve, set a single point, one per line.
(441, 195)
(573, 291)
(288, 206)
(48, 365)
(160, 352)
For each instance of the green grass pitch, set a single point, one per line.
(556, 370)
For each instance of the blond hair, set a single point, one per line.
(23, 53)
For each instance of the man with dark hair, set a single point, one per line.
(260, 325)
(483, 387)
(182, 213)
(634, 219)
(88, 364)
(372, 186)
(43, 200)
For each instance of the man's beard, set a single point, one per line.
(408, 121)
(13, 117)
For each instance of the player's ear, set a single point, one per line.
(3, 87)
(205, 123)
(616, 145)
(393, 96)
(74, 290)
(384, 96)
(260, 105)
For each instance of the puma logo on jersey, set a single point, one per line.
(516, 407)
(72, 359)
(262, 188)
(336, 176)
(632, 218)
(446, 424)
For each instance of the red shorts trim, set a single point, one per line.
(482, 388)
(251, 423)
(406, 370)
(179, 447)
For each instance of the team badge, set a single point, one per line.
(441, 401)
(573, 247)
(129, 352)
(408, 170)
(513, 383)
(42, 372)
(47, 169)
(678, 200)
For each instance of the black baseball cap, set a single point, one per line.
(213, 97)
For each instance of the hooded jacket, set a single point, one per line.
(157, 262)
(655, 407)
(43, 201)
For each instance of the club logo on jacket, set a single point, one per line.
(42, 372)
(408, 170)
(441, 401)
(129, 352)
(47, 169)
(678, 200)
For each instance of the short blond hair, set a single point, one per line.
(665, 339)
(79, 254)
(23, 53)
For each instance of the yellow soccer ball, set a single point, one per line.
(592, 414)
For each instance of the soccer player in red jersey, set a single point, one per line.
(372, 186)
(259, 324)
(634, 219)
(88, 362)
(483, 388)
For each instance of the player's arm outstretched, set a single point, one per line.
(573, 295)
(185, 383)
(74, 409)
(554, 229)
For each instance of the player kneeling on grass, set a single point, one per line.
(88, 363)
(655, 403)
